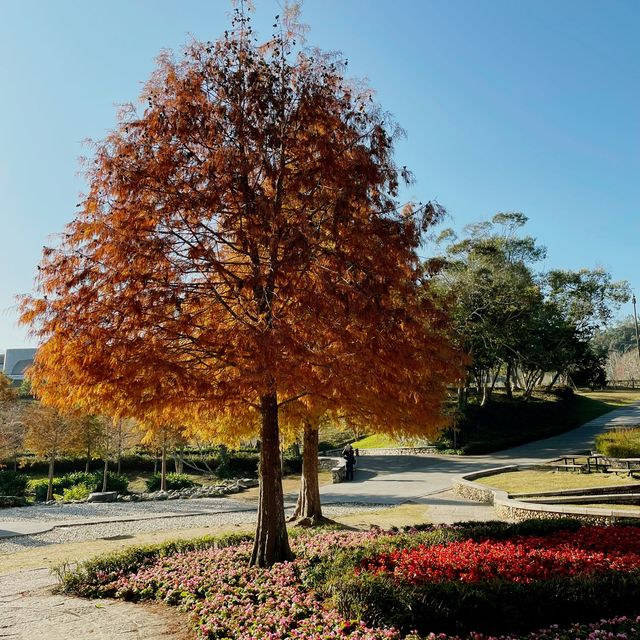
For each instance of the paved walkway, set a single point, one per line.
(428, 479)
(30, 610)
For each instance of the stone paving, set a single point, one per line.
(31, 611)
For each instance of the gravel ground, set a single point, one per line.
(151, 516)
(62, 513)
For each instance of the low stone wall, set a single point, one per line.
(507, 508)
(399, 451)
(518, 511)
(469, 490)
(337, 466)
(390, 451)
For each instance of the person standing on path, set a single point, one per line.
(350, 458)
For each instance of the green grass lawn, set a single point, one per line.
(376, 441)
(530, 481)
(382, 441)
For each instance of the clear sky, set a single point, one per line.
(529, 106)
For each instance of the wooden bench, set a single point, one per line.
(568, 463)
(615, 465)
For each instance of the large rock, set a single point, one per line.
(103, 496)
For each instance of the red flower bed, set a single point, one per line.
(522, 559)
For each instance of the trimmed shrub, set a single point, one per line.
(13, 483)
(76, 492)
(39, 487)
(93, 481)
(80, 477)
(173, 481)
(115, 482)
(491, 607)
(564, 392)
(621, 443)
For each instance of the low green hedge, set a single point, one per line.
(173, 481)
(490, 607)
(13, 483)
(115, 482)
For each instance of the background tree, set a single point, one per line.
(163, 438)
(516, 323)
(219, 260)
(489, 276)
(11, 421)
(48, 434)
(86, 434)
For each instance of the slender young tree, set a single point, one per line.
(240, 246)
(49, 434)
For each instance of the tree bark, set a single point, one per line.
(163, 469)
(105, 474)
(507, 381)
(271, 543)
(50, 485)
(309, 508)
(553, 381)
(87, 466)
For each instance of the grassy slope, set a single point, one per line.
(503, 424)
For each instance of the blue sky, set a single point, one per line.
(529, 106)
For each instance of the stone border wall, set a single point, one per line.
(507, 508)
(337, 466)
(391, 451)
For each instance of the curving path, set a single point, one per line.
(427, 480)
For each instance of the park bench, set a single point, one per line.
(567, 463)
(627, 466)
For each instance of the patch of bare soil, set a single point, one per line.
(31, 610)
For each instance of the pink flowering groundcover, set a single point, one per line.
(374, 585)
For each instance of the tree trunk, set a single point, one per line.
(155, 462)
(507, 381)
(105, 475)
(271, 543)
(485, 389)
(462, 397)
(553, 381)
(52, 462)
(119, 467)
(87, 466)
(308, 507)
(163, 469)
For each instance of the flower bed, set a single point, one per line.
(375, 586)
(523, 559)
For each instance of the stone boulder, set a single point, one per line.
(103, 496)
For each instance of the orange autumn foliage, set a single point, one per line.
(240, 247)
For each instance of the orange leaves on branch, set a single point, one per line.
(241, 241)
